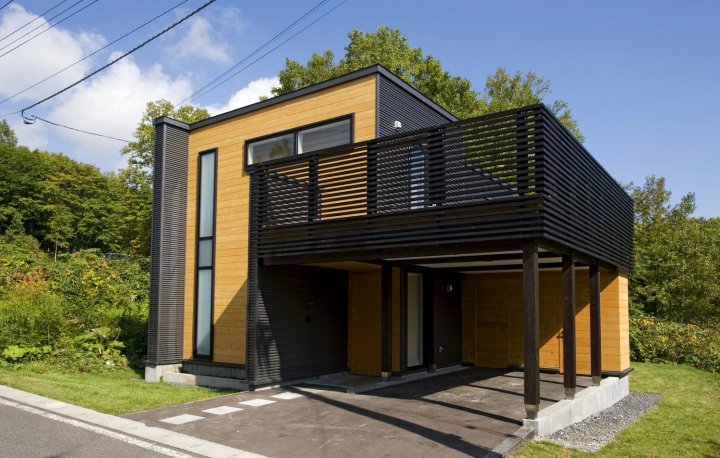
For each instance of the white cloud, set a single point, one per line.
(199, 42)
(247, 95)
(112, 103)
(40, 57)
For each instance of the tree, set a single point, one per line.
(7, 136)
(504, 92)
(677, 257)
(390, 48)
(141, 149)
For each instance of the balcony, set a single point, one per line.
(494, 180)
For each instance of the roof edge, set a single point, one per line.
(374, 69)
(171, 121)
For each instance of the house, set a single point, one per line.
(355, 225)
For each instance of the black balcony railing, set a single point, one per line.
(509, 175)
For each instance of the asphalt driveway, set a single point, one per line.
(465, 413)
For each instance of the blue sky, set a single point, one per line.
(642, 77)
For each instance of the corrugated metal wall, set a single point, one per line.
(395, 104)
(301, 326)
(167, 265)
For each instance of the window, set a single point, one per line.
(325, 136)
(204, 254)
(272, 148)
(299, 141)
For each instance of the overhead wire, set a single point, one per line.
(257, 50)
(80, 130)
(52, 26)
(6, 4)
(31, 20)
(114, 61)
(47, 21)
(273, 49)
(94, 52)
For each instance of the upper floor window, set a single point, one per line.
(299, 141)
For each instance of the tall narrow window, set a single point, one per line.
(204, 254)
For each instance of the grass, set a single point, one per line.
(686, 421)
(117, 392)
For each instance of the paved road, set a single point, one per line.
(26, 434)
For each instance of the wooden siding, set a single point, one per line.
(364, 324)
(492, 320)
(231, 259)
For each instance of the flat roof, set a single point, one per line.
(375, 69)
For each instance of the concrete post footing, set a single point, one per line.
(587, 402)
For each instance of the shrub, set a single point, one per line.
(655, 340)
(82, 312)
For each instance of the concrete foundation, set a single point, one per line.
(155, 373)
(207, 381)
(587, 402)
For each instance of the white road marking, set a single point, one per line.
(287, 395)
(222, 410)
(257, 402)
(181, 419)
(95, 429)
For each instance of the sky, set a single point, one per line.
(642, 77)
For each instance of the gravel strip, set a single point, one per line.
(599, 429)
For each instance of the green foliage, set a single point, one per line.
(677, 258)
(140, 151)
(7, 136)
(390, 48)
(660, 341)
(81, 312)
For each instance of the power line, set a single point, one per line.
(246, 58)
(80, 130)
(3, 7)
(94, 52)
(95, 72)
(273, 49)
(47, 21)
(57, 23)
(31, 21)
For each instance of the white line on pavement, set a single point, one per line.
(95, 429)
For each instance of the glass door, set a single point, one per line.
(414, 319)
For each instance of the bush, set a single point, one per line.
(654, 340)
(82, 312)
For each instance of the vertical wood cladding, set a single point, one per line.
(495, 308)
(396, 104)
(167, 265)
(233, 199)
(301, 322)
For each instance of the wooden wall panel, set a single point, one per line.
(364, 323)
(233, 184)
(497, 330)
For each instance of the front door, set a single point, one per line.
(364, 323)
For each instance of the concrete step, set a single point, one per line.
(179, 378)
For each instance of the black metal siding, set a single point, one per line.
(396, 104)
(301, 326)
(167, 266)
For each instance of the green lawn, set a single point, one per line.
(686, 421)
(114, 392)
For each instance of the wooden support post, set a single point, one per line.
(595, 331)
(531, 327)
(568, 314)
(386, 320)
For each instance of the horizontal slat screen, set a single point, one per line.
(487, 178)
